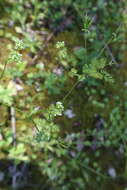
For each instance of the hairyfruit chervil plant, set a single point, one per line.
(58, 150)
(58, 146)
(46, 135)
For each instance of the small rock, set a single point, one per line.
(112, 172)
(18, 87)
(58, 71)
(1, 176)
(72, 153)
(40, 65)
(69, 113)
(80, 147)
(1, 137)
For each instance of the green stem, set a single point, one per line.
(70, 91)
(2, 74)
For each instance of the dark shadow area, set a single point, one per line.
(27, 176)
(23, 176)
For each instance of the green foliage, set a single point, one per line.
(54, 83)
(19, 44)
(6, 95)
(7, 92)
(47, 130)
(96, 70)
(54, 110)
(62, 53)
(15, 56)
(69, 152)
(17, 153)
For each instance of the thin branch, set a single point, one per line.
(111, 54)
(13, 123)
(2, 74)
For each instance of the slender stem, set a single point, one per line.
(13, 123)
(19, 110)
(111, 54)
(95, 172)
(2, 74)
(105, 46)
(70, 91)
(87, 30)
(107, 43)
(78, 80)
(92, 170)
